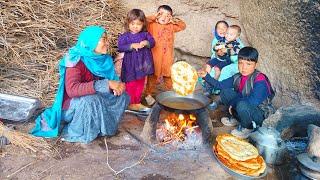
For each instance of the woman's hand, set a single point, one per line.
(117, 87)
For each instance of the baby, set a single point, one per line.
(225, 48)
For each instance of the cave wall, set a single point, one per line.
(286, 34)
(194, 43)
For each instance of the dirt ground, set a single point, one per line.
(84, 161)
(78, 161)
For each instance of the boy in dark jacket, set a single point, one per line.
(248, 94)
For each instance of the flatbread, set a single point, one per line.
(236, 148)
(241, 167)
(184, 78)
(254, 163)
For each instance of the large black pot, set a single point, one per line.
(174, 102)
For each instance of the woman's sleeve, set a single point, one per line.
(74, 86)
(102, 86)
(179, 26)
(123, 45)
(150, 39)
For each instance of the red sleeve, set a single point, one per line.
(75, 84)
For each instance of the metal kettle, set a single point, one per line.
(270, 145)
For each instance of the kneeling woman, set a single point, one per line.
(90, 97)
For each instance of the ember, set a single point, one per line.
(176, 127)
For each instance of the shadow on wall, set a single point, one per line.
(286, 33)
(310, 12)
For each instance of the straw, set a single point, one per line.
(35, 34)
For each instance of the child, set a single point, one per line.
(162, 26)
(250, 100)
(137, 61)
(225, 48)
(219, 33)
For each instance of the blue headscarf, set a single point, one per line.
(47, 124)
(216, 35)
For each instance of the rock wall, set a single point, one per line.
(287, 35)
(194, 43)
(293, 120)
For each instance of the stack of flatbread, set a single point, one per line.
(184, 78)
(239, 155)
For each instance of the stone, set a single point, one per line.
(293, 120)
(286, 34)
(314, 141)
(194, 43)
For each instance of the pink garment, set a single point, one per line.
(135, 89)
(260, 77)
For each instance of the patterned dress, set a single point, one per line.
(135, 64)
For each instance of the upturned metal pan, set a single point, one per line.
(17, 108)
(173, 101)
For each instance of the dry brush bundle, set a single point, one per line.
(34, 34)
(25, 141)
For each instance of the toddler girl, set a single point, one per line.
(137, 61)
(219, 33)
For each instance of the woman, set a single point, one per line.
(90, 97)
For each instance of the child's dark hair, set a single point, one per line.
(134, 14)
(165, 7)
(249, 54)
(236, 27)
(223, 22)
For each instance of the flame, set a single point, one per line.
(177, 125)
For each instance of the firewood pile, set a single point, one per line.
(35, 34)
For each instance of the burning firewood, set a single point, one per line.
(176, 128)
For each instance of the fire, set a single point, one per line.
(177, 126)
